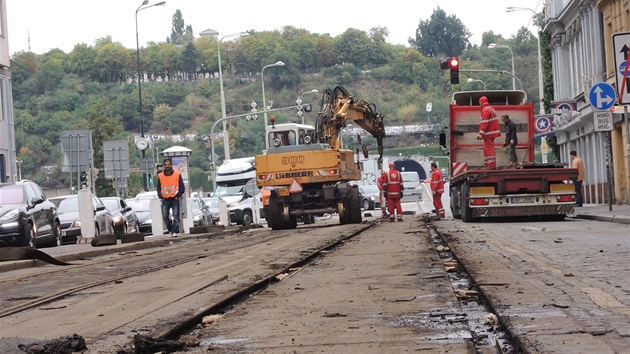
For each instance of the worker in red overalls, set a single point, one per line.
(437, 187)
(488, 130)
(392, 185)
(379, 184)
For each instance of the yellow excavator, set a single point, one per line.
(305, 172)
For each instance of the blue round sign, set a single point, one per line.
(542, 125)
(602, 96)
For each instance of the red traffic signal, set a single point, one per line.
(453, 64)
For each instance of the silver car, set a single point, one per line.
(125, 218)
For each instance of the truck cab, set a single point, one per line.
(236, 185)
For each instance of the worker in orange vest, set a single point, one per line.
(437, 188)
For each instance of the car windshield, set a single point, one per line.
(212, 202)
(139, 204)
(68, 205)
(11, 195)
(369, 189)
(195, 204)
(111, 204)
(223, 191)
(410, 177)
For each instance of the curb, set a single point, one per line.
(618, 220)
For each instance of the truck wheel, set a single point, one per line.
(247, 218)
(274, 220)
(354, 205)
(455, 204)
(466, 212)
(344, 212)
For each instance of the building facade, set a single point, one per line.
(8, 164)
(582, 56)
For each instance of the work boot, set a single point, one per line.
(392, 219)
(400, 219)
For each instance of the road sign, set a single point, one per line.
(603, 121)
(621, 48)
(602, 96)
(295, 187)
(147, 165)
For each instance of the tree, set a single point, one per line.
(441, 35)
(177, 28)
(190, 61)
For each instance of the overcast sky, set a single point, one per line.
(64, 23)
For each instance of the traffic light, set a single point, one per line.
(453, 64)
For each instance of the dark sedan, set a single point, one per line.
(370, 197)
(27, 217)
(68, 209)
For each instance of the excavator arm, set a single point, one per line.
(340, 108)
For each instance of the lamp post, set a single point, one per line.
(299, 103)
(470, 79)
(144, 3)
(262, 79)
(540, 76)
(210, 32)
(494, 45)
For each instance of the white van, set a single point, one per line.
(236, 184)
(411, 182)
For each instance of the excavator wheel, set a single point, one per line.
(275, 212)
(354, 201)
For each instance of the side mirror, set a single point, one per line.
(443, 140)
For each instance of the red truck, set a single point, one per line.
(534, 189)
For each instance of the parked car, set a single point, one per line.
(370, 197)
(201, 212)
(213, 206)
(412, 185)
(125, 218)
(142, 208)
(68, 209)
(27, 217)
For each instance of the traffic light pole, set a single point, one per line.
(495, 71)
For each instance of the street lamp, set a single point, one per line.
(540, 76)
(262, 79)
(299, 103)
(144, 3)
(470, 79)
(210, 32)
(494, 45)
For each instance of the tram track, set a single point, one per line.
(241, 264)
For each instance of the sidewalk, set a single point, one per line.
(619, 214)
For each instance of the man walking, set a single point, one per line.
(579, 164)
(170, 187)
(489, 129)
(510, 140)
(437, 187)
(392, 185)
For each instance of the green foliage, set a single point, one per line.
(441, 35)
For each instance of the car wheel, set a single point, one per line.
(97, 231)
(29, 234)
(57, 234)
(365, 204)
(247, 218)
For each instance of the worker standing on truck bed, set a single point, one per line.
(489, 129)
(510, 140)
(392, 185)
(437, 187)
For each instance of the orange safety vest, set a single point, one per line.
(169, 184)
